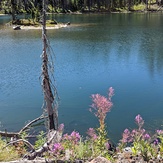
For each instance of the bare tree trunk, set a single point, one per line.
(47, 91)
(13, 10)
(98, 5)
(146, 5)
(129, 5)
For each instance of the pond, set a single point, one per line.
(95, 52)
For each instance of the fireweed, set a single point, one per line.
(96, 143)
(100, 107)
(58, 149)
(139, 140)
(159, 140)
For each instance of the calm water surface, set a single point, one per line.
(94, 53)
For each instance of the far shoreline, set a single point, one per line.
(62, 25)
(158, 10)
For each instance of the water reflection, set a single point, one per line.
(150, 44)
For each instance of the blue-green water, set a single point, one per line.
(94, 53)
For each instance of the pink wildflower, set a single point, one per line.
(107, 145)
(159, 132)
(139, 120)
(133, 132)
(91, 132)
(57, 148)
(102, 105)
(126, 136)
(137, 133)
(61, 127)
(146, 136)
(66, 137)
(75, 137)
(156, 142)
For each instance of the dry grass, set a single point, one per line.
(7, 153)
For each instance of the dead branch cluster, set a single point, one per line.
(15, 137)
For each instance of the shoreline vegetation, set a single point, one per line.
(33, 20)
(34, 23)
(73, 7)
(31, 24)
(135, 146)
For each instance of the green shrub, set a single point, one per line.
(7, 153)
(41, 139)
(139, 7)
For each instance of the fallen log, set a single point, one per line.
(9, 134)
(27, 143)
(18, 27)
(30, 123)
(17, 135)
(53, 137)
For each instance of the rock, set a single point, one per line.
(127, 149)
(17, 27)
(100, 160)
(68, 23)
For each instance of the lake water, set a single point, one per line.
(95, 52)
